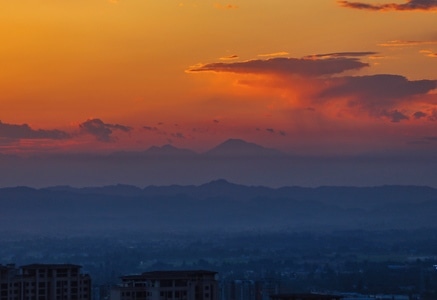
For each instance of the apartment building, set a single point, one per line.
(168, 285)
(44, 282)
(309, 296)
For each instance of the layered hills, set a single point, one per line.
(215, 206)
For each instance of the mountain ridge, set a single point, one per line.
(216, 205)
(239, 147)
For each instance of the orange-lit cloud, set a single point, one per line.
(420, 5)
(402, 43)
(316, 81)
(429, 53)
(281, 53)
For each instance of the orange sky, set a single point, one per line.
(99, 75)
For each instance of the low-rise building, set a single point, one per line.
(44, 282)
(168, 285)
(309, 296)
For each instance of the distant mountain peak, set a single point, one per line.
(239, 147)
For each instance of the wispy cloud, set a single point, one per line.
(409, 5)
(24, 131)
(230, 57)
(281, 53)
(429, 53)
(282, 65)
(274, 131)
(102, 131)
(404, 43)
(342, 54)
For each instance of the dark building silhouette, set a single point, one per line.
(44, 282)
(309, 296)
(239, 290)
(245, 289)
(168, 285)
(266, 287)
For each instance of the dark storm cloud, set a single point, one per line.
(308, 67)
(24, 131)
(424, 5)
(377, 90)
(102, 131)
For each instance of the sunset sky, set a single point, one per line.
(306, 77)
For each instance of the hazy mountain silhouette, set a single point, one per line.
(238, 147)
(217, 205)
(234, 160)
(229, 148)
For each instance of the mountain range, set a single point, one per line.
(228, 148)
(235, 160)
(215, 206)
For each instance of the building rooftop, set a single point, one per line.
(51, 266)
(170, 274)
(308, 296)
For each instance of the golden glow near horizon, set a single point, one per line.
(128, 62)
